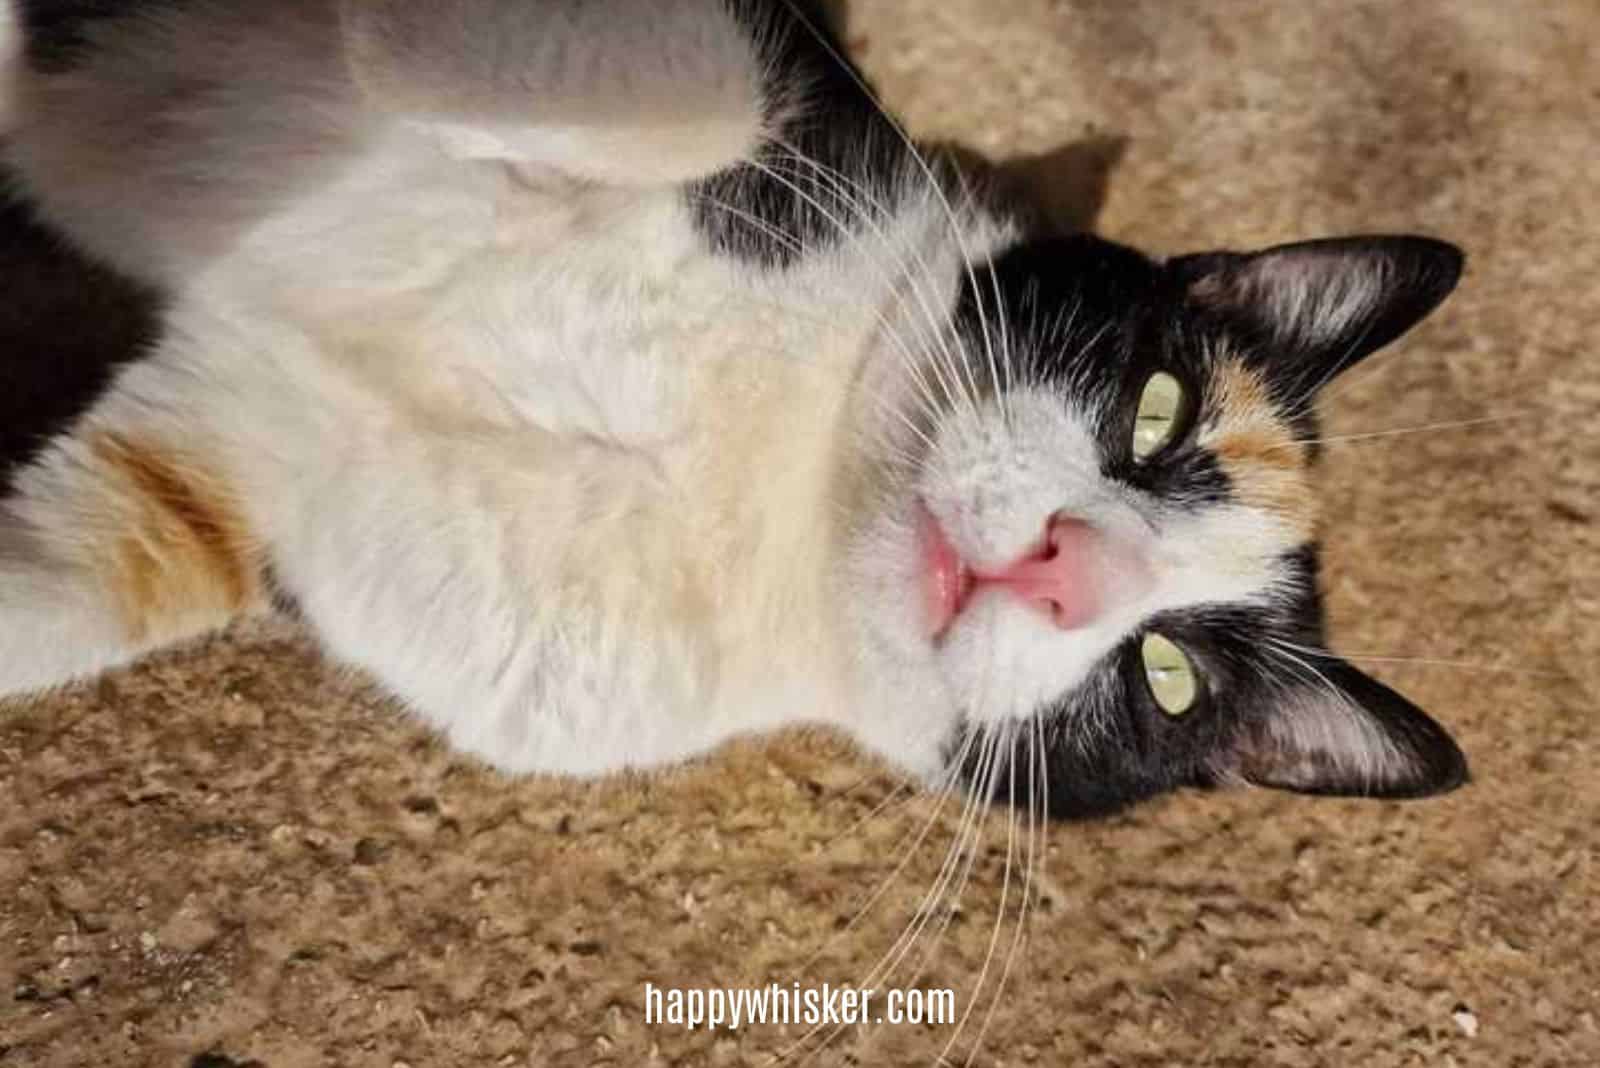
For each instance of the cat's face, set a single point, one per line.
(1093, 563)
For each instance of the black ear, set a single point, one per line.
(1342, 733)
(1325, 305)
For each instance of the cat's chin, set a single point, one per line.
(901, 705)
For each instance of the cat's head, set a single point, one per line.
(1093, 574)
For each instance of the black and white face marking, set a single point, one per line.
(1116, 539)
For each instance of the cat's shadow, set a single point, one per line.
(1066, 187)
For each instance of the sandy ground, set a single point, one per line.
(237, 856)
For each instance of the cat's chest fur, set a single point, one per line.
(562, 340)
(518, 299)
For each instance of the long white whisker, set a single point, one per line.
(1000, 910)
(940, 351)
(909, 360)
(902, 793)
(916, 155)
(848, 233)
(1034, 850)
(1380, 658)
(907, 855)
(941, 356)
(886, 964)
(1456, 424)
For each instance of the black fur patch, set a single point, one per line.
(66, 326)
(837, 151)
(57, 31)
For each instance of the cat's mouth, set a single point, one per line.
(947, 581)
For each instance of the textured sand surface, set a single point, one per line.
(236, 855)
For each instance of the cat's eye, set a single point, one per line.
(1160, 415)
(1170, 675)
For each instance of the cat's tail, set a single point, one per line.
(10, 61)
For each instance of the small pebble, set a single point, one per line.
(1467, 1020)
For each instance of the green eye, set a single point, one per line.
(1170, 674)
(1160, 410)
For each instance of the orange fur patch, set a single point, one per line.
(182, 558)
(1257, 449)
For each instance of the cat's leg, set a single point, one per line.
(629, 92)
(114, 544)
(174, 130)
(157, 135)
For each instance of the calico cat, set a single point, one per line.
(610, 378)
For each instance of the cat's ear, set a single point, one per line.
(1341, 732)
(1325, 305)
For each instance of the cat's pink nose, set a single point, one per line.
(1070, 575)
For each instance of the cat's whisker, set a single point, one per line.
(1009, 745)
(967, 831)
(1027, 882)
(897, 455)
(999, 740)
(944, 792)
(905, 420)
(945, 788)
(887, 963)
(963, 845)
(909, 361)
(1035, 847)
(869, 209)
(1465, 665)
(949, 364)
(855, 239)
(891, 799)
(1002, 388)
(788, 241)
(845, 231)
(942, 357)
(968, 202)
(790, 309)
(1347, 378)
(914, 153)
(1454, 424)
(972, 843)
(1425, 661)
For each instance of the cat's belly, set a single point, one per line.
(573, 507)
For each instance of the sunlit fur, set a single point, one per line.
(589, 405)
